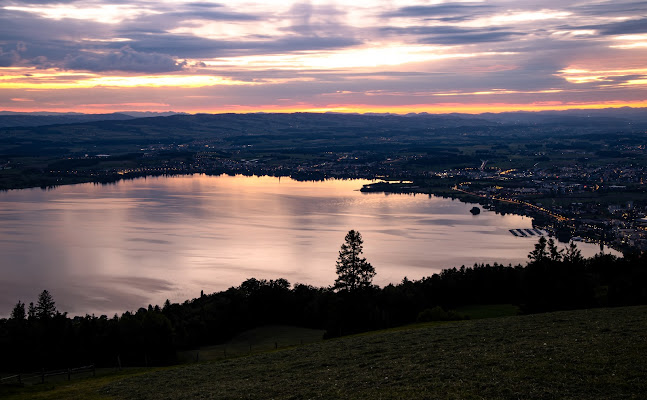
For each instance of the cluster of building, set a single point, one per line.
(601, 204)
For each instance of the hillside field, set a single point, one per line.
(584, 354)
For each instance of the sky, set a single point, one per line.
(396, 56)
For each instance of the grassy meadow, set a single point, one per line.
(263, 339)
(584, 354)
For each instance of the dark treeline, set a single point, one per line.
(42, 337)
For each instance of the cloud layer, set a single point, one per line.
(322, 55)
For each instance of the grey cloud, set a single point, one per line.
(147, 31)
(22, 26)
(11, 57)
(42, 62)
(557, 48)
(151, 48)
(612, 8)
(7, 59)
(468, 38)
(70, 43)
(46, 37)
(322, 29)
(23, 2)
(134, 31)
(185, 46)
(176, 18)
(310, 21)
(301, 13)
(205, 5)
(436, 30)
(446, 9)
(625, 27)
(210, 15)
(453, 35)
(450, 19)
(125, 59)
(299, 43)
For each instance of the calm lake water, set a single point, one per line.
(110, 248)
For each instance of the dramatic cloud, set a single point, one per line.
(125, 59)
(399, 55)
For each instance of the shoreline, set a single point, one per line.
(557, 225)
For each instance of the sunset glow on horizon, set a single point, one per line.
(102, 56)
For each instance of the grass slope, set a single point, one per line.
(256, 340)
(568, 355)
(586, 354)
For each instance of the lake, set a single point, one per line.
(105, 249)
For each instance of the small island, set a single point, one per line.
(475, 210)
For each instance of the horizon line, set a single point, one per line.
(477, 110)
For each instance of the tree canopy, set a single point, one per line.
(546, 250)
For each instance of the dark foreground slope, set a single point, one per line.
(589, 354)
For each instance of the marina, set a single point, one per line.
(528, 232)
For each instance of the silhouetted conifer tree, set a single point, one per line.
(353, 271)
(540, 253)
(573, 254)
(18, 312)
(46, 307)
(553, 252)
(32, 311)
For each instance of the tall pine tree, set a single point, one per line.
(353, 271)
(46, 307)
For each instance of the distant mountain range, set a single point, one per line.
(637, 115)
(43, 118)
(624, 117)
